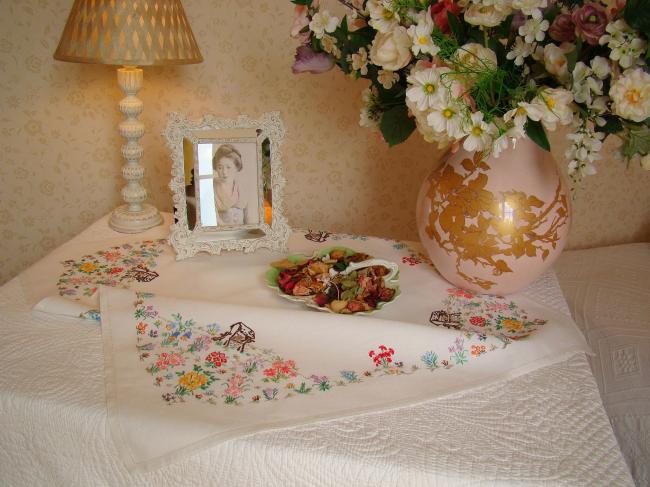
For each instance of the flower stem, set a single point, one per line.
(349, 5)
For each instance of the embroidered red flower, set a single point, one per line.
(477, 321)
(115, 270)
(461, 293)
(281, 370)
(411, 261)
(382, 357)
(216, 359)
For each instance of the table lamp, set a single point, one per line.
(129, 33)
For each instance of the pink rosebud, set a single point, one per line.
(308, 61)
(300, 21)
(590, 21)
(563, 29)
(613, 11)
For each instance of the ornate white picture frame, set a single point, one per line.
(227, 184)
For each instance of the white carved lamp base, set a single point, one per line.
(135, 216)
(125, 221)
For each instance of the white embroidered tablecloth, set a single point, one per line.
(544, 428)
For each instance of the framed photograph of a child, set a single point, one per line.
(227, 184)
(227, 176)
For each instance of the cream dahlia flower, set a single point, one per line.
(631, 95)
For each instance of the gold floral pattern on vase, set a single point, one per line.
(494, 225)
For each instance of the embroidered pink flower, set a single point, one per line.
(112, 256)
(141, 327)
(235, 386)
(173, 359)
(496, 306)
(478, 350)
(590, 20)
(477, 321)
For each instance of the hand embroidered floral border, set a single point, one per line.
(191, 360)
(484, 315)
(115, 267)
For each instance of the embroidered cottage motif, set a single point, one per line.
(238, 333)
(443, 318)
(318, 237)
(116, 267)
(141, 274)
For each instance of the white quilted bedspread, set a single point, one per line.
(609, 293)
(544, 428)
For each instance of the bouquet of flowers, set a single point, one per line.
(484, 73)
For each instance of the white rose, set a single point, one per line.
(631, 95)
(555, 62)
(551, 106)
(486, 15)
(391, 50)
(475, 55)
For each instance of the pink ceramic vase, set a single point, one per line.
(494, 225)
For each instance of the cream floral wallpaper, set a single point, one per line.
(60, 155)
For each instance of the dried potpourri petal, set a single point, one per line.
(356, 291)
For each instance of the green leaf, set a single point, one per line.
(536, 132)
(551, 13)
(637, 141)
(637, 14)
(302, 2)
(503, 30)
(359, 38)
(498, 48)
(396, 126)
(572, 57)
(456, 28)
(613, 126)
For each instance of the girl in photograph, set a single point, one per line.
(228, 195)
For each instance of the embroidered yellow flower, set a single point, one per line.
(192, 380)
(88, 267)
(512, 325)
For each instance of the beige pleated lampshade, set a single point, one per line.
(128, 33)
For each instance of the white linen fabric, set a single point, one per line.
(175, 386)
(67, 281)
(610, 302)
(543, 428)
(546, 428)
